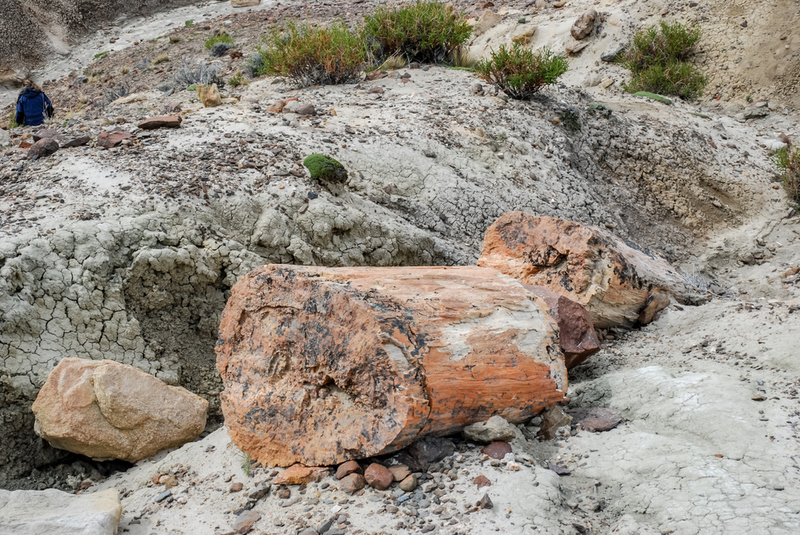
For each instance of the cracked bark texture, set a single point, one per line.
(323, 365)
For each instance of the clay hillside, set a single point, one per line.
(351, 268)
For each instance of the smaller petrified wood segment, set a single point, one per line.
(323, 365)
(614, 279)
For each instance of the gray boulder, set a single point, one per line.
(37, 512)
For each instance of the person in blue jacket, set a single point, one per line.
(33, 106)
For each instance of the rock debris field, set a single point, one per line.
(125, 242)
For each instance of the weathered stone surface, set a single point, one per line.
(107, 410)
(352, 483)
(497, 450)
(482, 481)
(299, 474)
(245, 3)
(367, 360)
(378, 476)
(584, 25)
(577, 336)
(209, 95)
(611, 277)
(163, 121)
(553, 418)
(76, 142)
(38, 512)
(108, 140)
(495, 428)
(42, 148)
(409, 484)
(345, 469)
(45, 134)
(400, 472)
(596, 419)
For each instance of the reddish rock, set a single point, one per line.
(596, 419)
(276, 107)
(352, 483)
(400, 472)
(612, 278)
(376, 358)
(24, 145)
(378, 476)
(42, 148)
(299, 474)
(345, 469)
(164, 121)
(577, 336)
(482, 481)
(236, 487)
(109, 140)
(497, 450)
(377, 90)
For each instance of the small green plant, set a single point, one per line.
(659, 57)
(192, 87)
(101, 54)
(787, 160)
(653, 96)
(520, 72)
(749, 98)
(12, 120)
(325, 168)
(221, 37)
(523, 20)
(308, 55)
(423, 31)
(236, 80)
(163, 58)
(247, 465)
(188, 23)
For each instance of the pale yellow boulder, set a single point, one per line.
(209, 95)
(107, 410)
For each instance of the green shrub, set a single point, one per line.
(218, 38)
(520, 72)
(331, 55)
(189, 22)
(12, 120)
(659, 57)
(236, 80)
(325, 168)
(423, 31)
(101, 54)
(788, 161)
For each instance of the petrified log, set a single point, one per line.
(577, 336)
(323, 365)
(619, 283)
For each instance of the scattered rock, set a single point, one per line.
(306, 109)
(108, 140)
(525, 37)
(595, 419)
(352, 483)
(573, 46)
(378, 476)
(400, 472)
(378, 90)
(485, 502)
(236, 487)
(553, 418)
(107, 410)
(244, 3)
(756, 113)
(558, 469)
(610, 57)
(606, 82)
(494, 429)
(488, 20)
(76, 142)
(482, 481)
(347, 468)
(497, 450)
(5, 138)
(298, 474)
(431, 449)
(584, 25)
(409, 484)
(276, 107)
(37, 512)
(209, 95)
(45, 134)
(42, 148)
(164, 121)
(244, 522)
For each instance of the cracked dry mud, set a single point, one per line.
(130, 254)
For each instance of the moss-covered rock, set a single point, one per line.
(325, 168)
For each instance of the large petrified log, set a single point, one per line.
(322, 365)
(619, 283)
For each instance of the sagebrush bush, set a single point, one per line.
(788, 161)
(521, 72)
(659, 56)
(424, 31)
(221, 37)
(189, 74)
(308, 55)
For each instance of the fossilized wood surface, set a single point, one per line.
(322, 365)
(611, 277)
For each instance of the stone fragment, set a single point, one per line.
(326, 525)
(347, 468)
(107, 410)
(494, 429)
(109, 140)
(244, 522)
(558, 469)
(306, 109)
(485, 502)
(378, 476)
(236, 487)
(352, 483)
(400, 472)
(482, 481)
(351, 339)
(244, 3)
(409, 483)
(47, 133)
(5, 138)
(553, 418)
(377, 74)
(299, 474)
(573, 46)
(488, 20)
(497, 450)
(577, 337)
(655, 303)
(209, 95)
(39, 512)
(610, 57)
(163, 121)
(276, 107)
(595, 419)
(525, 37)
(76, 142)
(584, 25)
(42, 148)
(612, 278)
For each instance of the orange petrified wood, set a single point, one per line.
(322, 365)
(618, 282)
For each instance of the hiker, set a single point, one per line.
(33, 106)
